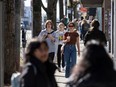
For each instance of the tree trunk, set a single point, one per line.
(17, 32)
(50, 10)
(66, 7)
(61, 9)
(9, 37)
(36, 17)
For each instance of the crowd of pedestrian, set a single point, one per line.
(94, 70)
(64, 38)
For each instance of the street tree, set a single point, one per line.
(61, 9)
(73, 7)
(9, 40)
(17, 32)
(36, 17)
(50, 10)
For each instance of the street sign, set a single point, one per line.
(1, 46)
(83, 9)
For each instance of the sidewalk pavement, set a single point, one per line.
(60, 78)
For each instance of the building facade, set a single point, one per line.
(108, 21)
(27, 19)
(113, 29)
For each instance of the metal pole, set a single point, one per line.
(115, 33)
(1, 47)
(112, 26)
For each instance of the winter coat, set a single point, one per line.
(97, 79)
(38, 74)
(95, 35)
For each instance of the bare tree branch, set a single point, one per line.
(71, 2)
(54, 3)
(42, 5)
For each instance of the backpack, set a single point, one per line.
(86, 26)
(35, 69)
(15, 79)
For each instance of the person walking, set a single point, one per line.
(95, 34)
(38, 71)
(48, 34)
(71, 38)
(80, 27)
(96, 69)
(65, 20)
(85, 27)
(59, 40)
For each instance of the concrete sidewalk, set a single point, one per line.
(60, 77)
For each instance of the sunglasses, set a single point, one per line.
(71, 26)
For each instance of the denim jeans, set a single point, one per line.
(70, 58)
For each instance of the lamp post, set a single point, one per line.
(115, 32)
(112, 26)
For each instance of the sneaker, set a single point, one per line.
(59, 69)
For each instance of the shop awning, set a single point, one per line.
(92, 3)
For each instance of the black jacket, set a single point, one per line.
(97, 79)
(38, 74)
(95, 35)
